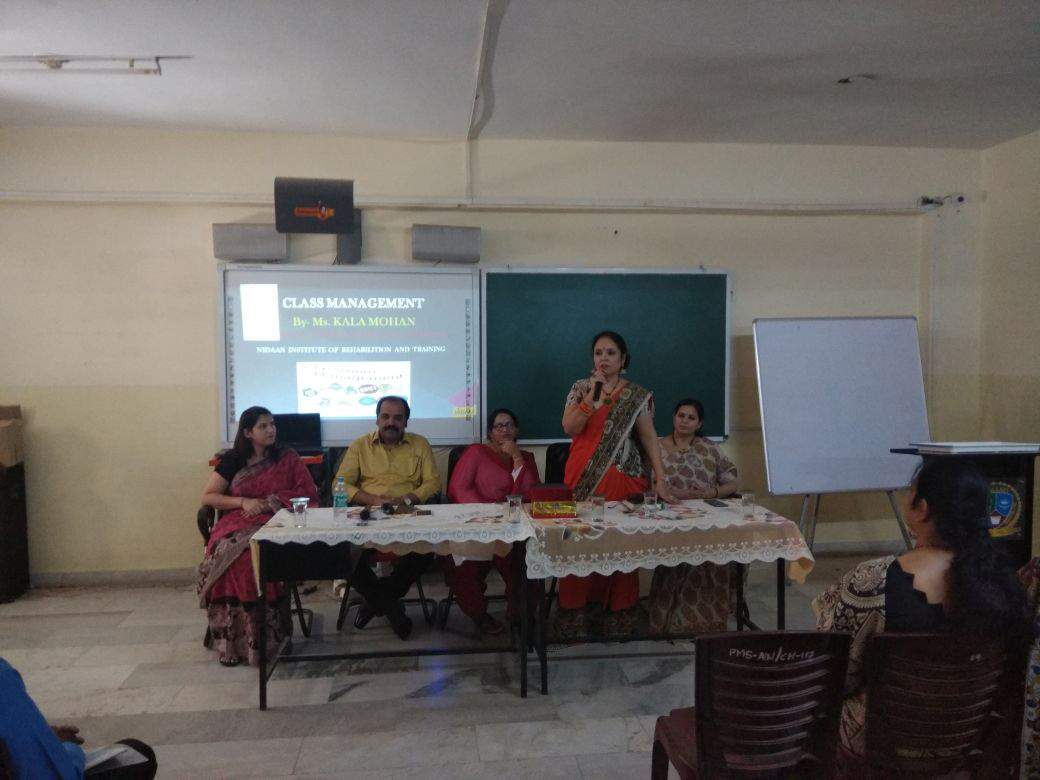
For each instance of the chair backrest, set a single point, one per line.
(555, 461)
(453, 458)
(769, 702)
(935, 702)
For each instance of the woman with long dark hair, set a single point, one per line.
(953, 580)
(252, 481)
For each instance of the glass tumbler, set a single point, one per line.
(747, 502)
(299, 510)
(515, 507)
(650, 503)
(598, 505)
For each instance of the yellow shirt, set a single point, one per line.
(408, 467)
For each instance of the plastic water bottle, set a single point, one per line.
(339, 500)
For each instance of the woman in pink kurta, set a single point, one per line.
(486, 474)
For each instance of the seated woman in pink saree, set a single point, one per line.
(253, 480)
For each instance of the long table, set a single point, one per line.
(622, 540)
(329, 549)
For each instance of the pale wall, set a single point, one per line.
(1011, 290)
(108, 311)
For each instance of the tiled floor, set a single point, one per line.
(127, 661)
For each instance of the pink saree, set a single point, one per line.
(226, 586)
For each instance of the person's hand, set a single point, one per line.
(664, 493)
(253, 506)
(512, 449)
(68, 734)
(597, 376)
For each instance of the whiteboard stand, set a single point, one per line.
(807, 525)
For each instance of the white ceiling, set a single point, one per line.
(954, 73)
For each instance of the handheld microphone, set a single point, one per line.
(596, 390)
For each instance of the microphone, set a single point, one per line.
(596, 390)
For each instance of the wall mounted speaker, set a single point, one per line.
(236, 241)
(313, 205)
(444, 243)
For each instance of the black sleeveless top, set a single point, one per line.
(906, 608)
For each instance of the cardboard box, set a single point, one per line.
(11, 451)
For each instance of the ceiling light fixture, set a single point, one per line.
(149, 65)
(858, 77)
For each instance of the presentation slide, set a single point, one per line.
(333, 340)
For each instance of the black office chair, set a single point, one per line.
(206, 518)
(556, 461)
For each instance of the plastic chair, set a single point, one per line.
(206, 518)
(938, 704)
(768, 705)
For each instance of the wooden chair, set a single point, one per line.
(768, 705)
(205, 519)
(938, 704)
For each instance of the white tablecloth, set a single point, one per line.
(474, 530)
(694, 532)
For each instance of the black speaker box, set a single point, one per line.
(313, 205)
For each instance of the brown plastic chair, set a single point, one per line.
(938, 704)
(768, 705)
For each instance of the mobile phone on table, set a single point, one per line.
(715, 502)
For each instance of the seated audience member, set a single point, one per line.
(486, 474)
(252, 481)
(954, 580)
(29, 748)
(395, 467)
(684, 598)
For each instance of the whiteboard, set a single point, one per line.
(836, 394)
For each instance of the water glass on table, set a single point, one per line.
(598, 508)
(514, 507)
(747, 502)
(650, 503)
(299, 510)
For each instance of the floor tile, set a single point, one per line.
(252, 758)
(614, 766)
(238, 695)
(387, 750)
(531, 740)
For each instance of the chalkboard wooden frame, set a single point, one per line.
(664, 404)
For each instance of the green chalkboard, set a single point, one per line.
(538, 328)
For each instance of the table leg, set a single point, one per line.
(781, 596)
(261, 615)
(736, 570)
(520, 588)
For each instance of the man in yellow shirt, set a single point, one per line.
(389, 466)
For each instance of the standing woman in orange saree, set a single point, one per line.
(613, 449)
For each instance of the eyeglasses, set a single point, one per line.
(503, 426)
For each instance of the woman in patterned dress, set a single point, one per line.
(613, 450)
(684, 598)
(953, 580)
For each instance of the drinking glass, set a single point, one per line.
(747, 502)
(515, 505)
(650, 503)
(299, 510)
(598, 504)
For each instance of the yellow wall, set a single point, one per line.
(1011, 290)
(109, 309)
